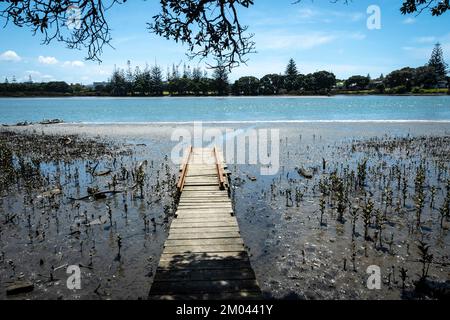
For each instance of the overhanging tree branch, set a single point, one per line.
(210, 28)
(52, 19)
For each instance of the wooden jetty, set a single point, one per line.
(204, 255)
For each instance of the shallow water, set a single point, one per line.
(216, 109)
(292, 254)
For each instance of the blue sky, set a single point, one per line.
(318, 34)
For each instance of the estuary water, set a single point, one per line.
(226, 109)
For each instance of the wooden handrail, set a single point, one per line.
(220, 173)
(182, 178)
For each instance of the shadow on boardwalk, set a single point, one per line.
(205, 276)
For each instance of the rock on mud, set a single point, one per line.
(19, 287)
(308, 174)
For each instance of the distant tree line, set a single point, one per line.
(430, 78)
(423, 79)
(52, 88)
(150, 82)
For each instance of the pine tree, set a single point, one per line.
(290, 82)
(197, 74)
(220, 76)
(129, 78)
(291, 69)
(437, 62)
(156, 80)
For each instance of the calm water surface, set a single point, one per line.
(233, 109)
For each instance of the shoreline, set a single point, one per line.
(292, 251)
(227, 122)
(162, 132)
(356, 94)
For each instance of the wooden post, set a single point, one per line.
(182, 178)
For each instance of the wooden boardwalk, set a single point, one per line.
(204, 256)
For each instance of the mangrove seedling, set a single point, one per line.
(322, 210)
(354, 216)
(444, 211)
(367, 216)
(380, 222)
(119, 244)
(403, 276)
(433, 196)
(362, 173)
(426, 258)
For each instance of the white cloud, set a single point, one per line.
(357, 36)
(47, 60)
(425, 39)
(306, 13)
(36, 76)
(10, 55)
(357, 16)
(287, 40)
(74, 63)
(409, 21)
(280, 40)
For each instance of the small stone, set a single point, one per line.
(19, 287)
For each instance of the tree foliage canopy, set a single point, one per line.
(437, 62)
(210, 28)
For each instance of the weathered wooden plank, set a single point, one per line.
(202, 188)
(209, 220)
(202, 214)
(205, 199)
(205, 210)
(204, 255)
(204, 248)
(222, 256)
(201, 242)
(207, 224)
(203, 264)
(239, 295)
(202, 274)
(201, 179)
(216, 192)
(204, 286)
(214, 208)
(204, 230)
(204, 196)
(202, 173)
(203, 203)
(206, 206)
(201, 184)
(192, 217)
(210, 260)
(207, 235)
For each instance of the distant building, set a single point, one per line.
(442, 84)
(340, 85)
(95, 84)
(101, 83)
